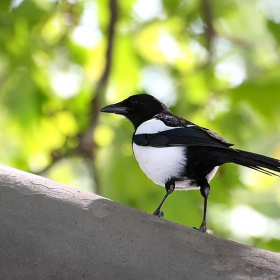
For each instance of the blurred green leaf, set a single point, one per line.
(263, 97)
(274, 28)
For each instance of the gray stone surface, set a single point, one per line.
(51, 231)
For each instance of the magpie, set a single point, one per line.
(178, 154)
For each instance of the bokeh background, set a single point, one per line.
(216, 63)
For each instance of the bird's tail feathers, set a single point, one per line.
(254, 161)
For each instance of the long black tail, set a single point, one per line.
(255, 161)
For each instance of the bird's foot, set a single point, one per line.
(202, 228)
(158, 213)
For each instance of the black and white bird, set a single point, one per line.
(178, 154)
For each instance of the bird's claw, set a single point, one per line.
(202, 228)
(158, 213)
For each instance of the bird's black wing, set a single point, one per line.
(183, 136)
(202, 137)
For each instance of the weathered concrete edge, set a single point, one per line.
(30, 184)
(219, 255)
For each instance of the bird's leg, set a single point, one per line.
(205, 191)
(170, 187)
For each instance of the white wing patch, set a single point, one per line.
(152, 126)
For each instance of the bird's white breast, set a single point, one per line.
(159, 164)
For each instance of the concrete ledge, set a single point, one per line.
(51, 231)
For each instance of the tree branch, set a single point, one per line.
(87, 144)
(86, 139)
(87, 147)
(210, 31)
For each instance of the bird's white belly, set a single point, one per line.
(212, 174)
(160, 164)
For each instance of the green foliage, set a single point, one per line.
(215, 63)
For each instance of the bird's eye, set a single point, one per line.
(136, 104)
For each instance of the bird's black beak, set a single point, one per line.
(116, 108)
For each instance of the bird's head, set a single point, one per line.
(137, 108)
